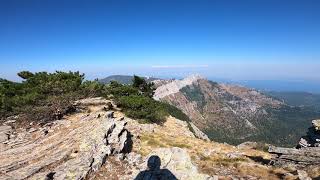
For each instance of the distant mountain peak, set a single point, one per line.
(123, 79)
(175, 86)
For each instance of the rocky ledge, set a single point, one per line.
(306, 154)
(71, 148)
(312, 139)
(298, 157)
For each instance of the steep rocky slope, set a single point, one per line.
(97, 144)
(234, 114)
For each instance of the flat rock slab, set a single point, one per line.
(71, 150)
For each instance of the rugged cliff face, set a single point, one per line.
(234, 114)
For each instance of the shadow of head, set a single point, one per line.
(154, 163)
(154, 172)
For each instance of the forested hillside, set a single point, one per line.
(298, 98)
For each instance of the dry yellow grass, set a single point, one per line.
(314, 172)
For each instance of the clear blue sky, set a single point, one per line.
(235, 39)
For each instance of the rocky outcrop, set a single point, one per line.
(312, 139)
(299, 157)
(174, 86)
(72, 148)
(198, 133)
(247, 145)
(307, 153)
(316, 124)
(98, 101)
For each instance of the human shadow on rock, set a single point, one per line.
(154, 172)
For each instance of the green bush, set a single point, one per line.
(119, 90)
(25, 74)
(92, 88)
(175, 112)
(43, 92)
(142, 107)
(145, 88)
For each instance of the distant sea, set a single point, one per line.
(277, 85)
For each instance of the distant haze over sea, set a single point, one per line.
(276, 85)
(263, 85)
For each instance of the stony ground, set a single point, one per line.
(71, 148)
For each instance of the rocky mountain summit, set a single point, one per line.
(235, 114)
(98, 143)
(173, 87)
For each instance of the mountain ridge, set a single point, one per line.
(123, 79)
(235, 114)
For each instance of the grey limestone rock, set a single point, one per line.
(5, 133)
